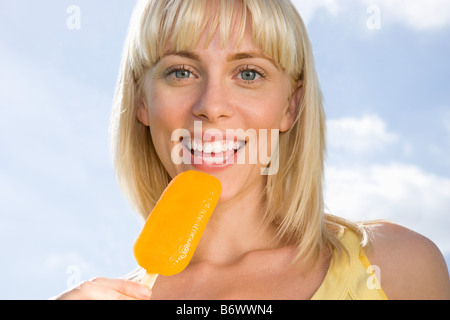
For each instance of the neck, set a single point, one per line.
(236, 228)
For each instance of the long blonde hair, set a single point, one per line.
(294, 196)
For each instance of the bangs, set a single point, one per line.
(178, 25)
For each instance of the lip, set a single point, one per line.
(213, 162)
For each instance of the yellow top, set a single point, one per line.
(353, 279)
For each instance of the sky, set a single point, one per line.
(384, 72)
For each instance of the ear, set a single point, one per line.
(291, 111)
(142, 111)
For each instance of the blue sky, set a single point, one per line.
(62, 216)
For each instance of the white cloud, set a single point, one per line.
(401, 193)
(416, 14)
(359, 134)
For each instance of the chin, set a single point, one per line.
(239, 182)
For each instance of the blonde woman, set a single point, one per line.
(247, 66)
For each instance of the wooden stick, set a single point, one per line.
(149, 279)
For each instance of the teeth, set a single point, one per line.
(216, 159)
(207, 147)
(197, 146)
(210, 147)
(217, 147)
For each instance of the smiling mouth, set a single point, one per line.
(215, 152)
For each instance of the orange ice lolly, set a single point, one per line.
(172, 231)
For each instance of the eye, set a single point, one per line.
(181, 72)
(250, 75)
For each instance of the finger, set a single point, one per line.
(126, 287)
(91, 290)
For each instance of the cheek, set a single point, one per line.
(265, 111)
(166, 110)
(165, 116)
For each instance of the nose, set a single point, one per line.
(213, 103)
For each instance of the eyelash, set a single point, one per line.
(258, 71)
(182, 67)
(240, 70)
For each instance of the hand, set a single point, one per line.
(107, 289)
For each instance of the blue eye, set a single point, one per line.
(248, 75)
(182, 74)
(179, 72)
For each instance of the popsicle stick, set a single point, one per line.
(149, 279)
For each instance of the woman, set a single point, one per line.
(247, 66)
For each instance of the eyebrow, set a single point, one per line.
(251, 55)
(185, 54)
(233, 57)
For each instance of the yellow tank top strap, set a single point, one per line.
(352, 277)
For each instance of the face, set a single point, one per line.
(222, 99)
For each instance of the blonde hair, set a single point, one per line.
(294, 196)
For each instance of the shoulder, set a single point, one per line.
(411, 266)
